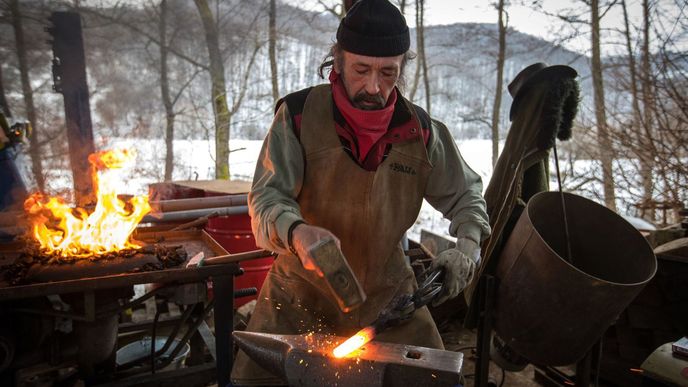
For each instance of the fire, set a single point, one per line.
(73, 232)
(354, 342)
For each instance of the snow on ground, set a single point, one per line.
(478, 155)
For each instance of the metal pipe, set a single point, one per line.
(569, 256)
(130, 304)
(171, 210)
(176, 216)
(198, 203)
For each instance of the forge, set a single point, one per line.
(73, 324)
(33, 266)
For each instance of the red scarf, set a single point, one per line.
(368, 126)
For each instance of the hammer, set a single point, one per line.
(335, 270)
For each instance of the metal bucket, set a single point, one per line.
(233, 232)
(142, 348)
(552, 311)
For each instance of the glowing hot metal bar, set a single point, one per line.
(354, 342)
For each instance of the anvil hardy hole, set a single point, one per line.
(413, 355)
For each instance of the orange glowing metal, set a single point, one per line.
(73, 232)
(354, 342)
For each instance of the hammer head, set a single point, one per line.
(338, 275)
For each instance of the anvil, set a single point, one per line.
(307, 360)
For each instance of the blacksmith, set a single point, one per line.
(353, 160)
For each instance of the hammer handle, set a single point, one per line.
(238, 257)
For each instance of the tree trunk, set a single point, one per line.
(647, 162)
(165, 92)
(272, 42)
(641, 142)
(606, 155)
(218, 91)
(426, 80)
(419, 58)
(498, 90)
(34, 146)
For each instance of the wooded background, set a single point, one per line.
(212, 70)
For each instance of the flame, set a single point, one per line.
(354, 342)
(76, 233)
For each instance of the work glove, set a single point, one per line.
(304, 238)
(459, 266)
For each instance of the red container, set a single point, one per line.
(233, 232)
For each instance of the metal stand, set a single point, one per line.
(222, 277)
(486, 293)
(223, 289)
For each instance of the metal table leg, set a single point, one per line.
(223, 290)
(486, 294)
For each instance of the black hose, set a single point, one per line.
(245, 292)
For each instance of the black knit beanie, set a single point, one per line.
(374, 28)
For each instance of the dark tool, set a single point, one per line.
(402, 307)
(306, 360)
(338, 275)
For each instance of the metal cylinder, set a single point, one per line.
(177, 216)
(96, 342)
(199, 203)
(551, 310)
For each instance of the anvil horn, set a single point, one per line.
(266, 350)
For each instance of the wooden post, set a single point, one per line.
(69, 79)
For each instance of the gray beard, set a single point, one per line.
(377, 99)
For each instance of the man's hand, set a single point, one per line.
(304, 238)
(459, 266)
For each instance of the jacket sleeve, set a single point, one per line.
(277, 182)
(454, 189)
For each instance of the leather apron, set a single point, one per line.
(368, 211)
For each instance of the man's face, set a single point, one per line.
(368, 80)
